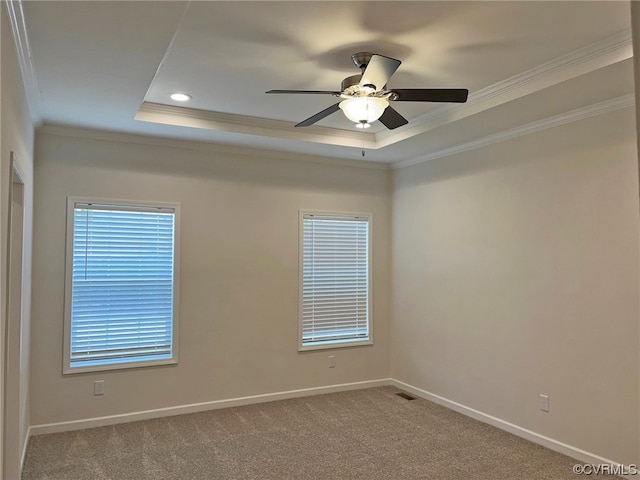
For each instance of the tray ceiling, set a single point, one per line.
(113, 65)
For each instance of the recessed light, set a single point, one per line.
(180, 97)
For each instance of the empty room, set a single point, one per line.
(319, 240)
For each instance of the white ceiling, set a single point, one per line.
(112, 65)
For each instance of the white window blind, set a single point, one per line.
(122, 285)
(335, 280)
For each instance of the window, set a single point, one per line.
(121, 285)
(335, 280)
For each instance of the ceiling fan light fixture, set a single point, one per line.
(363, 110)
(363, 125)
(180, 97)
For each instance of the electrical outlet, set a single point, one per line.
(98, 387)
(544, 402)
(332, 361)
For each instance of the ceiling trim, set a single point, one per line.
(528, 128)
(610, 50)
(23, 51)
(228, 122)
(203, 146)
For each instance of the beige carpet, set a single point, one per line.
(366, 434)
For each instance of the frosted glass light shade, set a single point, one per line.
(363, 109)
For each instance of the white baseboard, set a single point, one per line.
(550, 443)
(199, 407)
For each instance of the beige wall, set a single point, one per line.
(515, 273)
(238, 279)
(17, 136)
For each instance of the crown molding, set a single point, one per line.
(228, 122)
(203, 146)
(599, 108)
(550, 122)
(610, 50)
(23, 51)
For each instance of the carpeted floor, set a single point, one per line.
(366, 434)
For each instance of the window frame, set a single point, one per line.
(67, 368)
(335, 343)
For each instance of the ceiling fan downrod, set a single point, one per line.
(361, 59)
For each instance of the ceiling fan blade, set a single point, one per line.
(319, 92)
(378, 71)
(319, 116)
(451, 95)
(392, 119)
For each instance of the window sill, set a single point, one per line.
(118, 366)
(335, 344)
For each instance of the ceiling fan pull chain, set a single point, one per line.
(363, 142)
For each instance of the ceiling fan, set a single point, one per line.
(366, 98)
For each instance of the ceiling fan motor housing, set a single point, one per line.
(350, 82)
